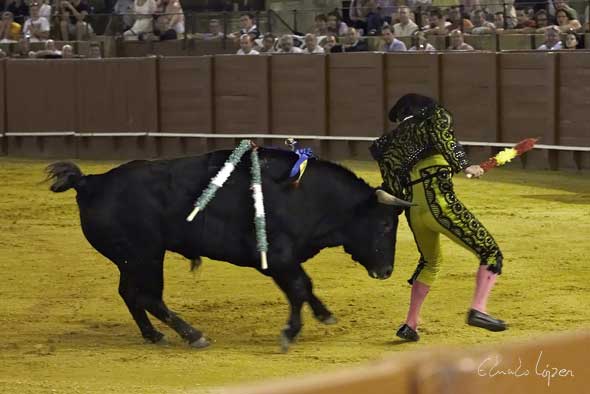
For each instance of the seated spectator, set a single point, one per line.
(335, 24)
(351, 43)
(438, 22)
(541, 21)
(524, 23)
(391, 44)
(365, 16)
(358, 13)
(457, 42)
(499, 21)
(19, 10)
(458, 20)
(552, 41)
(121, 19)
(170, 21)
(267, 44)
(565, 21)
(423, 20)
(329, 42)
(321, 25)
(67, 51)
(36, 27)
(215, 31)
(504, 6)
(286, 45)
(311, 44)
(419, 42)
(23, 49)
(9, 29)
(405, 27)
(481, 25)
(246, 46)
(563, 5)
(94, 52)
(144, 20)
(73, 23)
(247, 26)
(571, 41)
(45, 9)
(50, 51)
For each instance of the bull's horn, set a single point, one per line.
(385, 198)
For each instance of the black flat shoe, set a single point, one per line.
(406, 332)
(483, 320)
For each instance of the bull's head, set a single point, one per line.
(371, 236)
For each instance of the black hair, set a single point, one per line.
(409, 105)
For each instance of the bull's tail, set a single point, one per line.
(65, 175)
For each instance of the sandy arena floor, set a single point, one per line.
(67, 331)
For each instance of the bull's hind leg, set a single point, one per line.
(150, 286)
(128, 291)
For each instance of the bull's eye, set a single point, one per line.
(388, 228)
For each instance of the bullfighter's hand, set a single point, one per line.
(474, 171)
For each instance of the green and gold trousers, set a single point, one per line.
(439, 211)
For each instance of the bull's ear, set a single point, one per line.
(385, 198)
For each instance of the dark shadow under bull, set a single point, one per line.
(136, 212)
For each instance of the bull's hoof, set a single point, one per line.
(285, 343)
(155, 337)
(200, 343)
(328, 320)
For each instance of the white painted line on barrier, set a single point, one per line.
(270, 136)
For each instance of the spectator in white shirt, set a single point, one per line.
(286, 45)
(552, 41)
(45, 10)
(267, 44)
(406, 27)
(311, 44)
(390, 43)
(419, 42)
(246, 45)
(36, 27)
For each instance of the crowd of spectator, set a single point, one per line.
(37, 21)
(332, 33)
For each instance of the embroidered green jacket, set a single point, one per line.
(427, 133)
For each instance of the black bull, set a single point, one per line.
(136, 212)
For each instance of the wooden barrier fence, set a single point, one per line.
(168, 106)
(555, 364)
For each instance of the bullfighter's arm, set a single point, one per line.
(443, 138)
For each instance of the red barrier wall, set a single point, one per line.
(411, 73)
(2, 107)
(185, 94)
(469, 90)
(356, 94)
(356, 98)
(241, 94)
(298, 95)
(527, 99)
(41, 95)
(574, 99)
(120, 96)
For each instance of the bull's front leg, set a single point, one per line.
(320, 311)
(293, 283)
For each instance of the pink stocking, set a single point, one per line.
(419, 293)
(484, 283)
